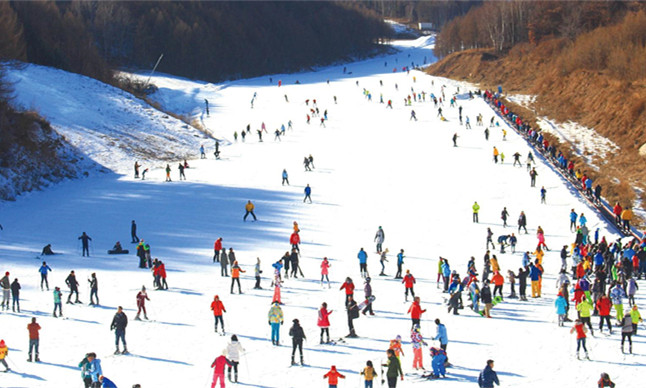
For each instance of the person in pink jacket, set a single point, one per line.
(325, 265)
(324, 322)
(219, 363)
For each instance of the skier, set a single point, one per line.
(333, 376)
(382, 261)
(438, 363)
(417, 341)
(168, 170)
(15, 295)
(561, 308)
(94, 289)
(325, 265)
(285, 178)
(234, 349)
(298, 335)
(275, 319)
(488, 376)
(363, 264)
(394, 369)
(476, 209)
(455, 139)
(490, 239)
(367, 290)
(119, 323)
(324, 322)
(295, 240)
(142, 296)
(202, 153)
(380, 236)
(308, 193)
(353, 313)
(47, 250)
(249, 210)
(400, 262)
(218, 310)
(180, 167)
(413, 116)
(532, 175)
(415, 311)
(218, 373)
(4, 351)
(293, 258)
(627, 332)
(603, 307)
(368, 374)
(43, 275)
(224, 263)
(133, 232)
(73, 285)
(409, 282)
(235, 276)
(57, 302)
(85, 240)
(348, 286)
(522, 222)
(543, 192)
(580, 330)
(306, 163)
(257, 272)
(217, 247)
(503, 215)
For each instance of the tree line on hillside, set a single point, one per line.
(208, 40)
(502, 24)
(438, 12)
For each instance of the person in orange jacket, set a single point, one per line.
(235, 276)
(333, 376)
(498, 280)
(218, 310)
(415, 311)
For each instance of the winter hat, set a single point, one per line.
(2, 343)
(295, 320)
(368, 279)
(398, 338)
(6, 273)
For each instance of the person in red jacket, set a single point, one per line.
(219, 364)
(603, 306)
(349, 289)
(217, 247)
(218, 310)
(324, 322)
(295, 239)
(408, 281)
(333, 376)
(162, 276)
(416, 311)
(617, 212)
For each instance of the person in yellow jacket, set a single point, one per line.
(636, 318)
(235, 276)
(585, 309)
(495, 267)
(249, 208)
(476, 209)
(539, 255)
(4, 351)
(626, 216)
(369, 374)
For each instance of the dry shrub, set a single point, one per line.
(637, 108)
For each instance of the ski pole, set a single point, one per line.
(246, 364)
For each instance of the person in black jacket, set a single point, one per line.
(85, 239)
(488, 376)
(297, 334)
(522, 282)
(74, 287)
(133, 232)
(15, 294)
(119, 323)
(485, 297)
(353, 313)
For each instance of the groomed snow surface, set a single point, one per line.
(373, 167)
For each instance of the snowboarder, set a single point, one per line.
(367, 290)
(298, 335)
(275, 319)
(218, 310)
(119, 323)
(47, 250)
(142, 296)
(249, 207)
(85, 240)
(34, 340)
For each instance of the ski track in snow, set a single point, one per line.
(373, 166)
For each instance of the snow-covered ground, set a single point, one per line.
(373, 167)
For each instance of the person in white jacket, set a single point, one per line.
(234, 350)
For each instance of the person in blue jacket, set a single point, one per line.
(488, 376)
(582, 220)
(400, 262)
(308, 192)
(363, 263)
(573, 218)
(106, 382)
(43, 275)
(440, 334)
(446, 272)
(285, 178)
(561, 308)
(535, 275)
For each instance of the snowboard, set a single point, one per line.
(121, 252)
(495, 301)
(363, 304)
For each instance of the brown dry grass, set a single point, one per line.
(615, 108)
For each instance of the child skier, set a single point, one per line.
(333, 377)
(417, 341)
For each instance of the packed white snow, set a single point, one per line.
(373, 167)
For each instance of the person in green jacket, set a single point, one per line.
(394, 369)
(585, 309)
(476, 209)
